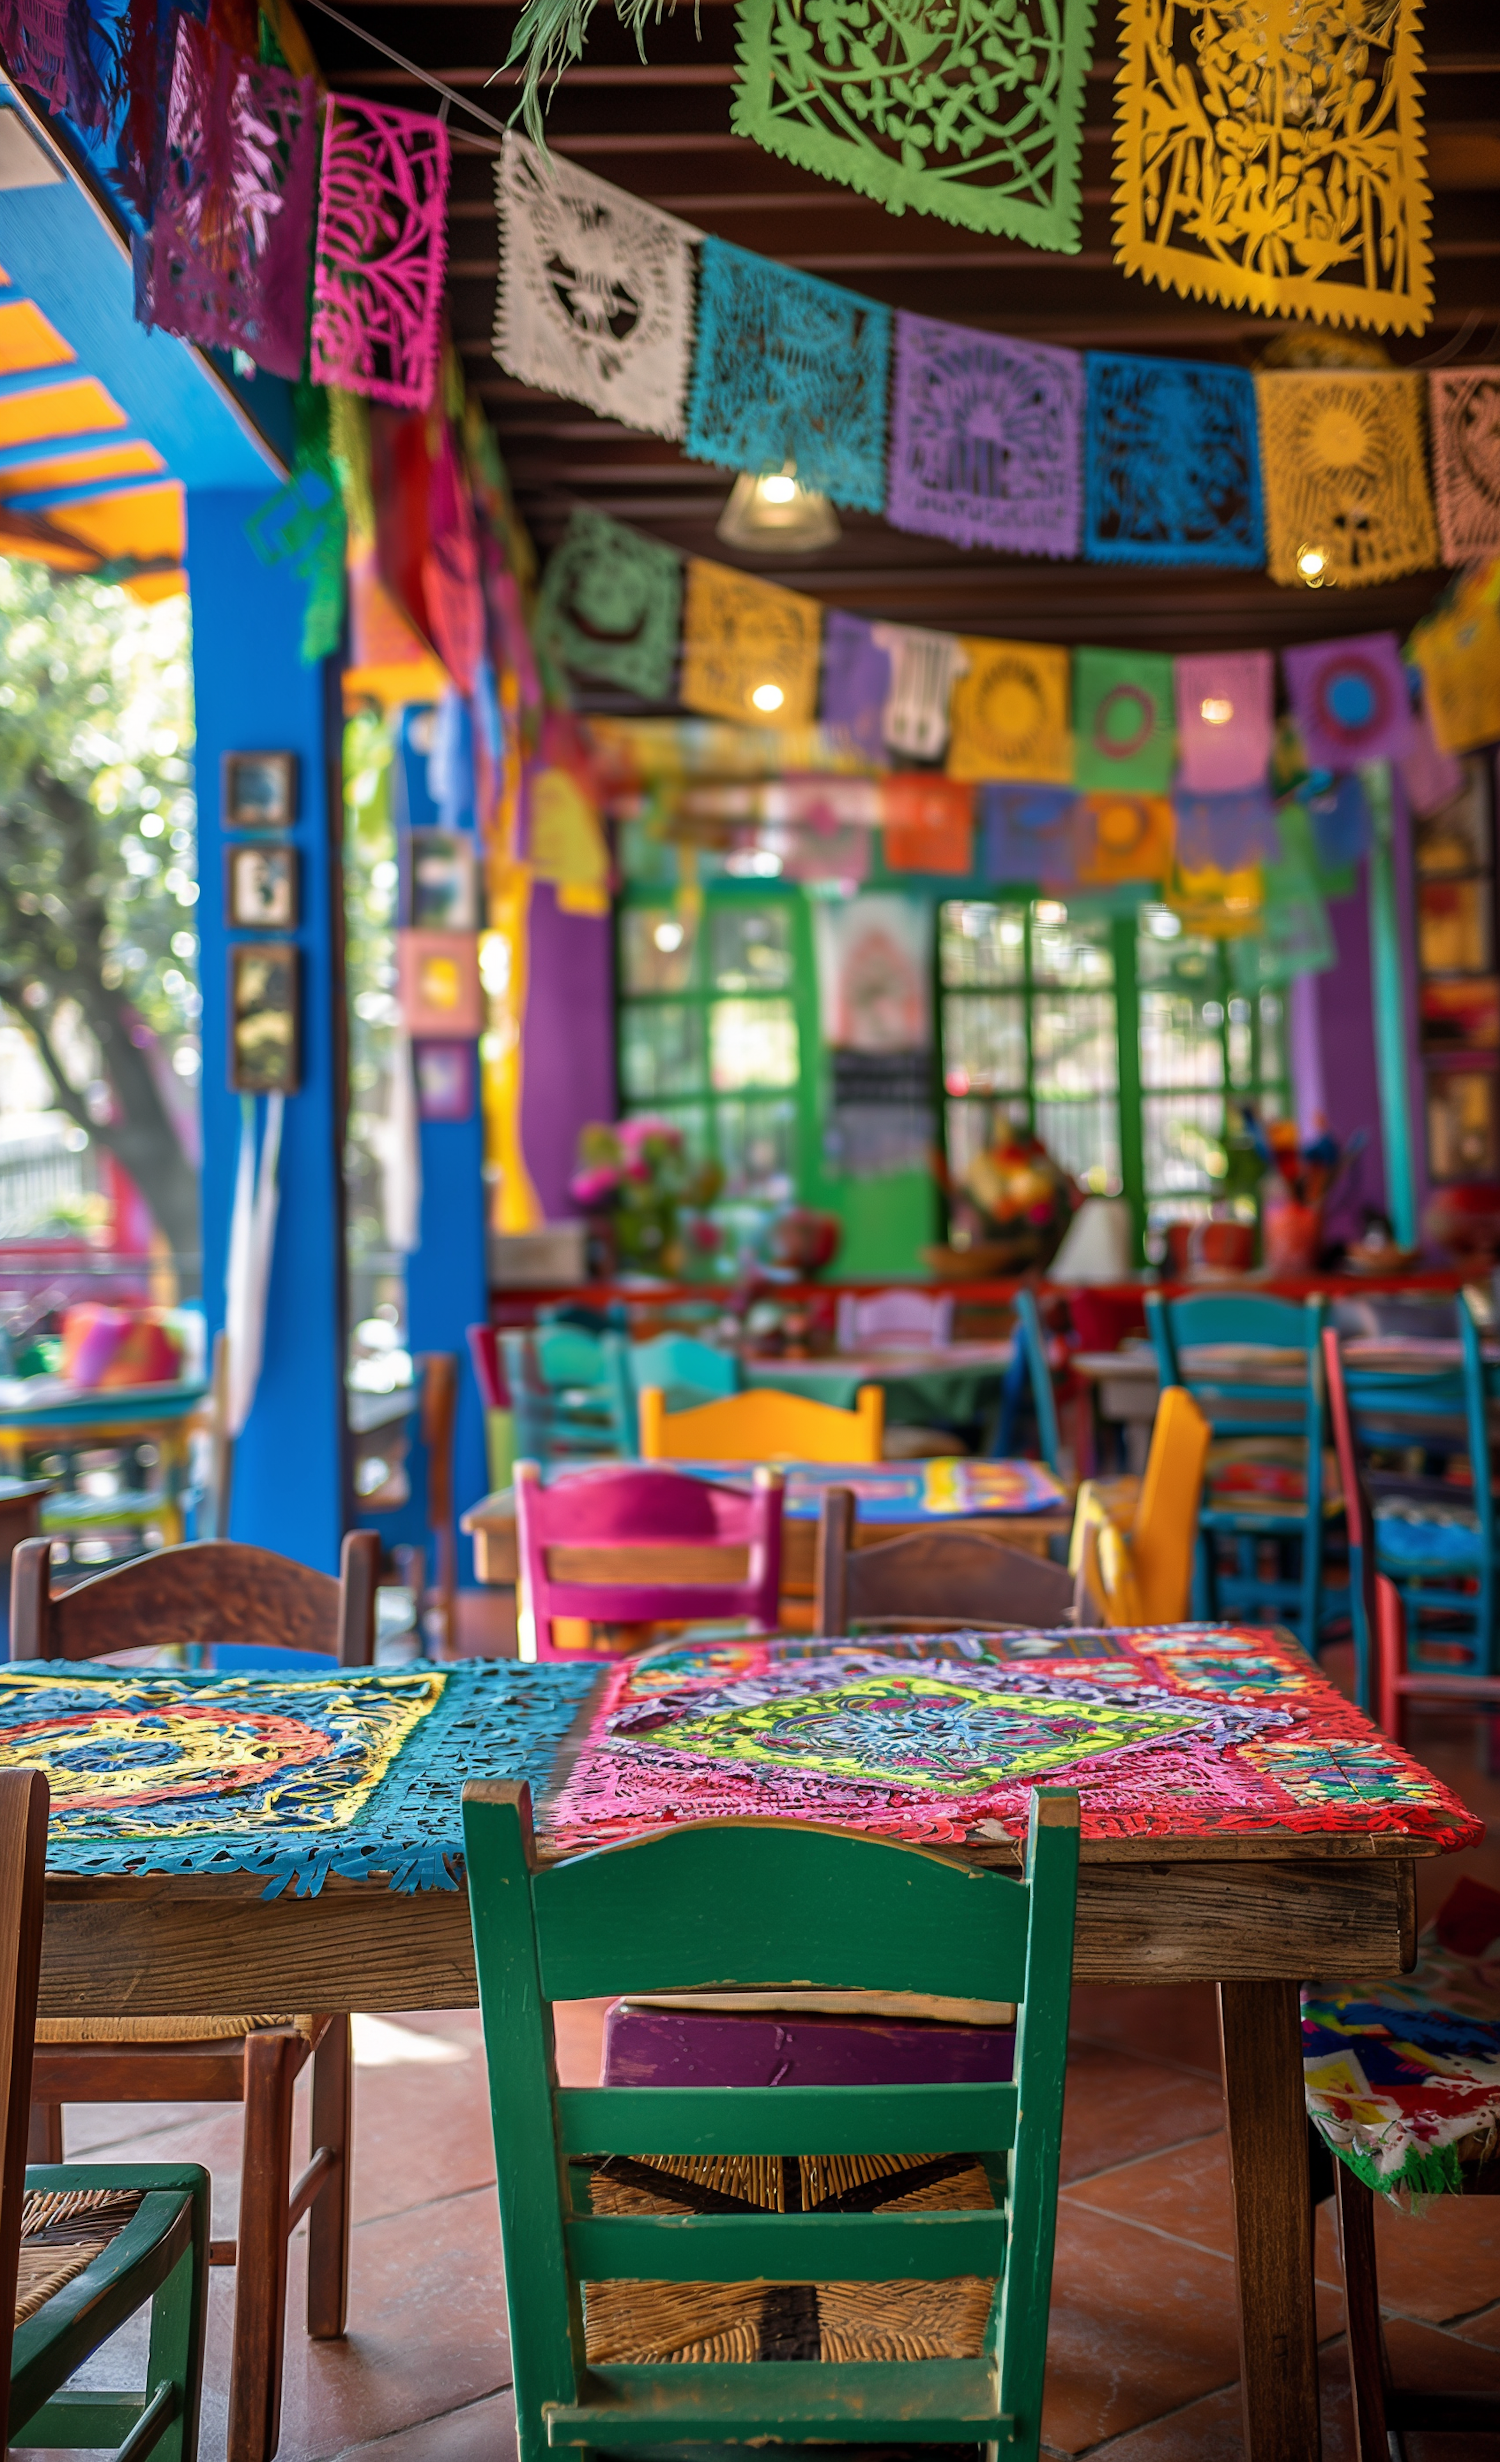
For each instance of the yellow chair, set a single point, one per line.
(763, 1426)
(1133, 1540)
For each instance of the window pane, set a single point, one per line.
(751, 948)
(661, 1050)
(757, 1147)
(753, 1043)
(1073, 1048)
(1272, 1040)
(1084, 1137)
(984, 1043)
(1074, 953)
(1180, 1040)
(1181, 1134)
(981, 945)
(657, 949)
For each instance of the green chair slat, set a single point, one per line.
(924, 2401)
(787, 2247)
(682, 2120)
(742, 1908)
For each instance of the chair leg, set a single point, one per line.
(44, 2137)
(328, 2221)
(179, 2314)
(260, 2279)
(1356, 2213)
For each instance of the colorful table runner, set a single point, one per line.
(902, 1492)
(360, 1773)
(1181, 1732)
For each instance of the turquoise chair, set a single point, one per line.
(686, 1371)
(1434, 1540)
(1028, 1365)
(1239, 1403)
(571, 1397)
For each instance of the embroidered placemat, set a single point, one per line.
(1179, 1732)
(359, 1773)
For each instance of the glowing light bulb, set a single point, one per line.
(779, 488)
(1216, 713)
(1312, 566)
(1048, 910)
(668, 935)
(768, 697)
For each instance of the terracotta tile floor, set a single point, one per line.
(1142, 2359)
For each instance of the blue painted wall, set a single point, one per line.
(253, 695)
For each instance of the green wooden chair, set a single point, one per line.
(84, 2246)
(764, 2203)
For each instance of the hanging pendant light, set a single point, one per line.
(775, 514)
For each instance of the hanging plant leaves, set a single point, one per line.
(970, 110)
(1272, 158)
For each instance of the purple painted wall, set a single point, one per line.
(1350, 1084)
(567, 1043)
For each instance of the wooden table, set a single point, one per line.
(1253, 1912)
(492, 1526)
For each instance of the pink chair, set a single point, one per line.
(637, 1546)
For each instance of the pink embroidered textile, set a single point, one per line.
(226, 260)
(1351, 700)
(1225, 720)
(382, 242)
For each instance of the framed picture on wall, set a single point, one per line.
(442, 881)
(264, 1018)
(445, 1080)
(437, 985)
(259, 790)
(261, 889)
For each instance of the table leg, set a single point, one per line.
(1265, 2114)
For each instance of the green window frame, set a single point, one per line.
(1115, 1037)
(716, 1006)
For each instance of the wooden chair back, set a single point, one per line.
(763, 1425)
(1164, 1535)
(1359, 1518)
(212, 1590)
(932, 1576)
(634, 1546)
(894, 1320)
(23, 1860)
(747, 1906)
(484, 1358)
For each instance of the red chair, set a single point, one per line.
(636, 1545)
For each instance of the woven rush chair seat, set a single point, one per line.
(169, 2029)
(706, 2322)
(62, 2232)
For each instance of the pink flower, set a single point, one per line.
(588, 1188)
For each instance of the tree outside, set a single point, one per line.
(98, 946)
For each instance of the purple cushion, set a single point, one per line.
(718, 2047)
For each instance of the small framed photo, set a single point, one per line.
(264, 1020)
(437, 985)
(260, 790)
(442, 881)
(445, 1080)
(262, 888)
